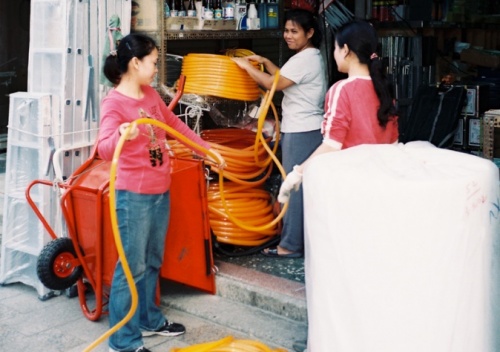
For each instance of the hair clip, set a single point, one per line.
(373, 56)
(113, 53)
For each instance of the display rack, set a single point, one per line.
(234, 34)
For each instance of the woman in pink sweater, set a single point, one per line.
(142, 186)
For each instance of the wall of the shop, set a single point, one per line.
(14, 50)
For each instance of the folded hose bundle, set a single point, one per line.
(244, 197)
(218, 75)
(251, 205)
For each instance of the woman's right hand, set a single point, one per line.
(133, 133)
(257, 58)
(217, 159)
(242, 62)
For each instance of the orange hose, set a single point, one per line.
(217, 75)
(240, 211)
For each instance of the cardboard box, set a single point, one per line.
(486, 58)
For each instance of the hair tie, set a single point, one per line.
(113, 53)
(373, 56)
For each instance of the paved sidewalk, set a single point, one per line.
(58, 324)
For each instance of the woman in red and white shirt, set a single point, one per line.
(359, 109)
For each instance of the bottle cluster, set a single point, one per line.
(248, 14)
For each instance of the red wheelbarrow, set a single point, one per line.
(88, 256)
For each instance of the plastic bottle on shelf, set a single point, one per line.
(191, 10)
(218, 10)
(182, 9)
(228, 12)
(252, 10)
(262, 13)
(174, 9)
(272, 19)
(209, 10)
(166, 9)
(252, 17)
(240, 10)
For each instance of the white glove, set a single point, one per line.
(292, 182)
(134, 131)
(219, 161)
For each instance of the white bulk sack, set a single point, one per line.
(398, 250)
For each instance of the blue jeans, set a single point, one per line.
(143, 222)
(296, 148)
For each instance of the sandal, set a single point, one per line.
(273, 252)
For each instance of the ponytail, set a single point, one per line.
(361, 38)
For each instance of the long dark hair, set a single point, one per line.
(306, 20)
(361, 38)
(130, 46)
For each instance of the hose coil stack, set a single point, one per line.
(244, 196)
(218, 75)
(241, 211)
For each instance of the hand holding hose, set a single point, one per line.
(132, 134)
(215, 158)
(292, 182)
(243, 63)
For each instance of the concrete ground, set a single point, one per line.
(58, 324)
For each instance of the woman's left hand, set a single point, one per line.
(292, 182)
(218, 160)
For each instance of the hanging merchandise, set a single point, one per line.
(337, 15)
(113, 36)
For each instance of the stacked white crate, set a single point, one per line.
(62, 105)
(31, 117)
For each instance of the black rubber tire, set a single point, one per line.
(49, 270)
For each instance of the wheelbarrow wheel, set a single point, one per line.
(56, 267)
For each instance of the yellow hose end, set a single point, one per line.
(204, 347)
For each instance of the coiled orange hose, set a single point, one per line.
(248, 165)
(241, 53)
(217, 75)
(251, 229)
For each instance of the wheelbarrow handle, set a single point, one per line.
(35, 207)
